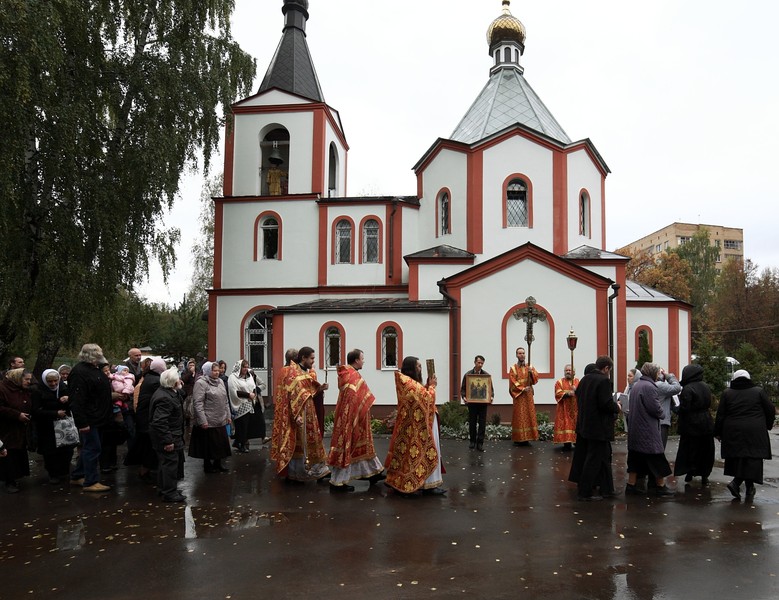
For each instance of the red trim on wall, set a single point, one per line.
(622, 328)
(438, 196)
(381, 238)
(277, 339)
(243, 322)
(602, 210)
(322, 267)
(474, 203)
(318, 154)
(260, 217)
(218, 241)
(673, 340)
(379, 331)
(559, 202)
(413, 281)
(227, 180)
(504, 199)
(342, 343)
(420, 185)
(333, 224)
(212, 312)
(504, 343)
(395, 243)
(455, 354)
(649, 340)
(602, 319)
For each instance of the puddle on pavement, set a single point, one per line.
(211, 523)
(71, 536)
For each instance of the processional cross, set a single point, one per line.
(530, 315)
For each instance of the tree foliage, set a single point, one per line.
(671, 275)
(701, 256)
(203, 248)
(102, 106)
(644, 353)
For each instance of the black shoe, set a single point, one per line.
(436, 491)
(479, 448)
(688, 478)
(176, 498)
(664, 491)
(526, 443)
(592, 498)
(338, 489)
(210, 470)
(472, 445)
(704, 481)
(750, 493)
(374, 479)
(633, 490)
(324, 479)
(734, 489)
(567, 447)
(106, 470)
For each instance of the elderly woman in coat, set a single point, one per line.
(15, 411)
(209, 439)
(242, 391)
(696, 427)
(50, 402)
(744, 417)
(645, 442)
(166, 431)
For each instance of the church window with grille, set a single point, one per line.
(389, 348)
(332, 347)
(516, 204)
(270, 238)
(584, 214)
(256, 342)
(343, 242)
(444, 214)
(370, 241)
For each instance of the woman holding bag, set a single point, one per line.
(241, 388)
(50, 403)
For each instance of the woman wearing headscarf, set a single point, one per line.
(142, 452)
(50, 402)
(695, 457)
(744, 417)
(15, 410)
(166, 429)
(64, 373)
(212, 413)
(241, 389)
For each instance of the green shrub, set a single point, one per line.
(546, 431)
(495, 419)
(452, 415)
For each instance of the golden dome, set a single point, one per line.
(506, 28)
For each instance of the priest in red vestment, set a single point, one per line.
(414, 457)
(522, 378)
(565, 416)
(297, 444)
(352, 455)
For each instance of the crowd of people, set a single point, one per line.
(93, 408)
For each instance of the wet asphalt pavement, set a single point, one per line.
(509, 527)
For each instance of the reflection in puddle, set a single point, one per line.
(71, 536)
(236, 521)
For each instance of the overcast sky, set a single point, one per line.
(679, 97)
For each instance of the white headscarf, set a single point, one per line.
(45, 377)
(206, 368)
(236, 383)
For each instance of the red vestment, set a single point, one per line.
(295, 397)
(523, 420)
(352, 439)
(412, 455)
(565, 416)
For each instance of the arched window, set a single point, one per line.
(370, 241)
(584, 214)
(274, 162)
(443, 213)
(516, 204)
(389, 348)
(332, 176)
(332, 347)
(256, 341)
(343, 242)
(270, 238)
(507, 55)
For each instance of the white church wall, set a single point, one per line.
(582, 174)
(297, 267)
(608, 271)
(430, 275)
(356, 273)
(423, 335)
(516, 155)
(448, 170)
(249, 128)
(657, 321)
(486, 303)
(684, 340)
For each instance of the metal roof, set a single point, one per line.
(644, 293)
(292, 69)
(442, 251)
(591, 252)
(507, 99)
(364, 305)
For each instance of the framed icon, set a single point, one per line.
(478, 388)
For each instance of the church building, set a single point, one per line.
(507, 208)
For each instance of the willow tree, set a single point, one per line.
(103, 105)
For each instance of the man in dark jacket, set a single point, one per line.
(90, 397)
(744, 417)
(591, 465)
(166, 430)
